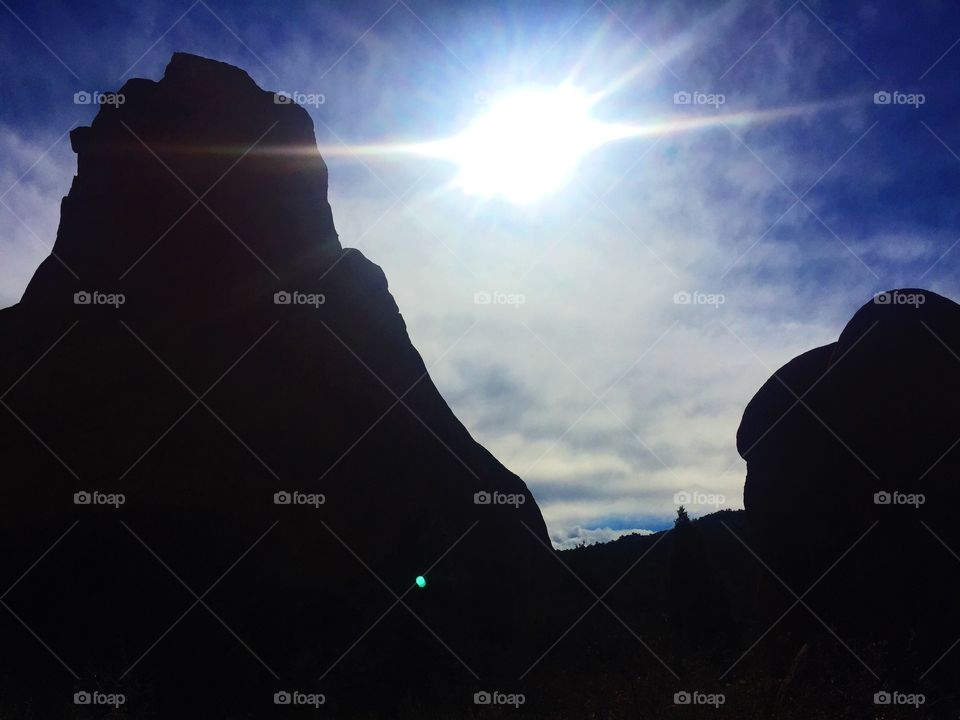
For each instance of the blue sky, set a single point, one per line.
(794, 222)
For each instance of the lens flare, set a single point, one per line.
(526, 146)
(530, 143)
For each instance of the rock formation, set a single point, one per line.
(199, 341)
(852, 460)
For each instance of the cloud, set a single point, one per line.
(575, 536)
(599, 390)
(35, 173)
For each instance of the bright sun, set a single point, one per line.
(526, 146)
(529, 144)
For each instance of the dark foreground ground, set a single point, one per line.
(637, 627)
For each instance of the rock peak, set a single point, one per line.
(202, 164)
(223, 351)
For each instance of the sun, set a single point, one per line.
(525, 146)
(529, 143)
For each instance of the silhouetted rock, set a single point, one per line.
(200, 342)
(251, 355)
(852, 464)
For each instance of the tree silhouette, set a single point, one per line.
(698, 607)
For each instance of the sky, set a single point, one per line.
(778, 205)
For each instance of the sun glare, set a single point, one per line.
(529, 144)
(526, 146)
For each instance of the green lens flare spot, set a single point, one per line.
(421, 581)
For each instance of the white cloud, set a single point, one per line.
(576, 536)
(598, 277)
(35, 173)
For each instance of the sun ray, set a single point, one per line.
(529, 143)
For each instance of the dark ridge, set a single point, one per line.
(199, 397)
